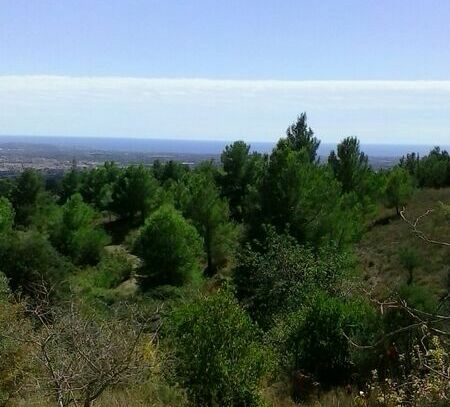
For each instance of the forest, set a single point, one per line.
(274, 279)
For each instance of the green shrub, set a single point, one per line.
(171, 249)
(76, 235)
(28, 258)
(6, 216)
(410, 260)
(219, 357)
(113, 270)
(277, 277)
(315, 338)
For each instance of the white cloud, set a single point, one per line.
(383, 111)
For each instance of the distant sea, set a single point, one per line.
(203, 147)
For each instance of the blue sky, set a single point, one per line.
(226, 69)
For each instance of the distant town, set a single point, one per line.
(53, 158)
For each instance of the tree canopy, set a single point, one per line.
(170, 248)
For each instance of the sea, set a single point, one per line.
(201, 147)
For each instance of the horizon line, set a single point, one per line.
(231, 140)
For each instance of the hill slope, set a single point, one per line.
(380, 251)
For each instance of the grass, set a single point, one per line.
(381, 250)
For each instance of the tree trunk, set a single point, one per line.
(410, 277)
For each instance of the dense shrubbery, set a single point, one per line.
(317, 341)
(246, 271)
(28, 259)
(76, 234)
(277, 276)
(220, 357)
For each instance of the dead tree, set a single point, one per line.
(82, 354)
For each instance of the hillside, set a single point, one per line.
(379, 252)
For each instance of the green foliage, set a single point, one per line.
(6, 188)
(170, 171)
(97, 185)
(219, 357)
(6, 216)
(47, 215)
(433, 170)
(418, 387)
(299, 196)
(200, 201)
(398, 189)
(135, 192)
(77, 235)
(314, 338)
(70, 184)
(99, 285)
(349, 165)
(112, 270)
(418, 297)
(28, 259)
(410, 259)
(411, 163)
(300, 137)
(296, 282)
(241, 170)
(404, 342)
(361, 186)
(324, 349)
(278, 276)
(28, 187)
(170, 248)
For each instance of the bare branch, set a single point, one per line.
(419, 233)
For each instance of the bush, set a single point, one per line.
(219, 358)
(170, 248)
(6, 216)
(421, 386)
(410, 259)
(76, 235)
(276, 277)
(28, 258)
(314, 339)
(86, 245)
(99, 281)
(113, 270)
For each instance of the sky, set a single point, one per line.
(204, 69)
